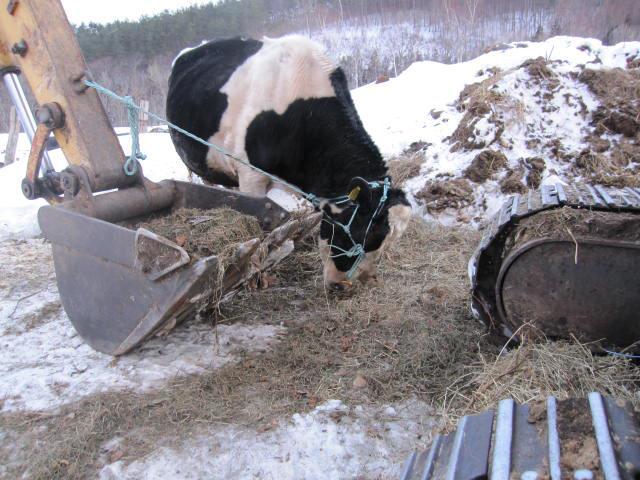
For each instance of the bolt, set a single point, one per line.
(282, 215)
(51, 115)
(27, 189)
(267, 206)
(20, 48)
(43, 115)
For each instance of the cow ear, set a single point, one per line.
(359, 191)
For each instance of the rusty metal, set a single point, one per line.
(114, 295)
(30, 185)
(539, 283)
(51, 115)
(53, 59)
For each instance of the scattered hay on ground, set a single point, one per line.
(485, 165)
(536, 370)
(411, 336)
(598, 169)
(570, 223)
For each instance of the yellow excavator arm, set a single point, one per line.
(117, 285)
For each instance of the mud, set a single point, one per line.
(578, 447)
(485, 165)
(443, 194)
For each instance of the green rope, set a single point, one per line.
(130, 168)
(131, 165)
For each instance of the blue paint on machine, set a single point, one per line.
(282, 105)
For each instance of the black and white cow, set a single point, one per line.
(284, 106)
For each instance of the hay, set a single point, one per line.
(405, 166)
(412, 336)
(203, 233)
(536, 370)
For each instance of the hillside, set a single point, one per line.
(470, 134)
(368, 38)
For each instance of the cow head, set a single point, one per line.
(373, 221)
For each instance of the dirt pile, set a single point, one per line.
(485, 165)
(442, 194)
(543, 118)
(619, 94)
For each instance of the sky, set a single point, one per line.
(83, 11)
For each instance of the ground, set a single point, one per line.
(294, 382)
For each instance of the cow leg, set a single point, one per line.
(252, 182)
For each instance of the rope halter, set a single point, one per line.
(357, 250)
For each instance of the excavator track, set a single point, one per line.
(563, 261)
(578, 438)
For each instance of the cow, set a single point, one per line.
(284, 107)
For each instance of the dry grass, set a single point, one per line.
(203, 233)
(536, 370)
(412, 336)
(404, 167)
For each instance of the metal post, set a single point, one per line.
(25, 116)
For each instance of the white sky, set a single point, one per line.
(103, 11)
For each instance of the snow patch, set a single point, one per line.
(332, 441)
(45, 364)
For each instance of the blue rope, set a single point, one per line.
(130, 104)
(357, 249)
(130, 168)
(131, 165)
(622, 355)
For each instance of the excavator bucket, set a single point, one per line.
(119, 286)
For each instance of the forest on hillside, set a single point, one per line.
(368, 38)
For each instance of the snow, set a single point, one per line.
(396, 113)
(45, 364)
(419, 105)
(332, 441)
